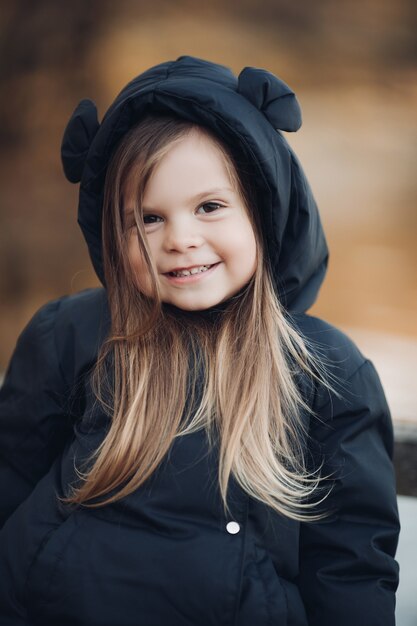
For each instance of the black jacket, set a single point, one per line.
(166, 555)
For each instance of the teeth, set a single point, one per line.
(194, 270)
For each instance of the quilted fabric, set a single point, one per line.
(166, 555)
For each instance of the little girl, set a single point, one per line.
(186, 446)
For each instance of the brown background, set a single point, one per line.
(352, 66)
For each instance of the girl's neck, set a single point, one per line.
(212, 314)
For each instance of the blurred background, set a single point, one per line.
(353, 67)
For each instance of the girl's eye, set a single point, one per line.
(212, 206)
(150, 219)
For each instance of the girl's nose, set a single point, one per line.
(181, 236)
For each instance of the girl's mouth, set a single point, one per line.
(192, 275)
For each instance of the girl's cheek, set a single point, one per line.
(140, 271)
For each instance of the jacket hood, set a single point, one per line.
(248, 112)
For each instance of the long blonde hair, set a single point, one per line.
(234, 374)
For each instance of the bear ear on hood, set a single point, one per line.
(78, 135)
(272, 97)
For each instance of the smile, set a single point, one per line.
(192, 270)
(190, 275)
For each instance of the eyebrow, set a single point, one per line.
(200, 196)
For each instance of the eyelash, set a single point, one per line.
(215, 204)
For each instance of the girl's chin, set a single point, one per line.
(201, 304)
(197, 307)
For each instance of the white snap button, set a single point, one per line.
(233, 528)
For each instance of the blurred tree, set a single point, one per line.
(48, 37)
(352, 56)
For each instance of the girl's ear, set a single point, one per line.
(78, 135)
(272, 97)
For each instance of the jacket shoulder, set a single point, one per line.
(80, 324)
(81, 306)
(74, 307)
(333, 347)
(341, 363)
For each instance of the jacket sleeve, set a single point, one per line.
(33, 424)
(348, 574)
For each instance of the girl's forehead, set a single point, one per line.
(192, 164)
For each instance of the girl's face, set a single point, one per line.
(198, 231)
